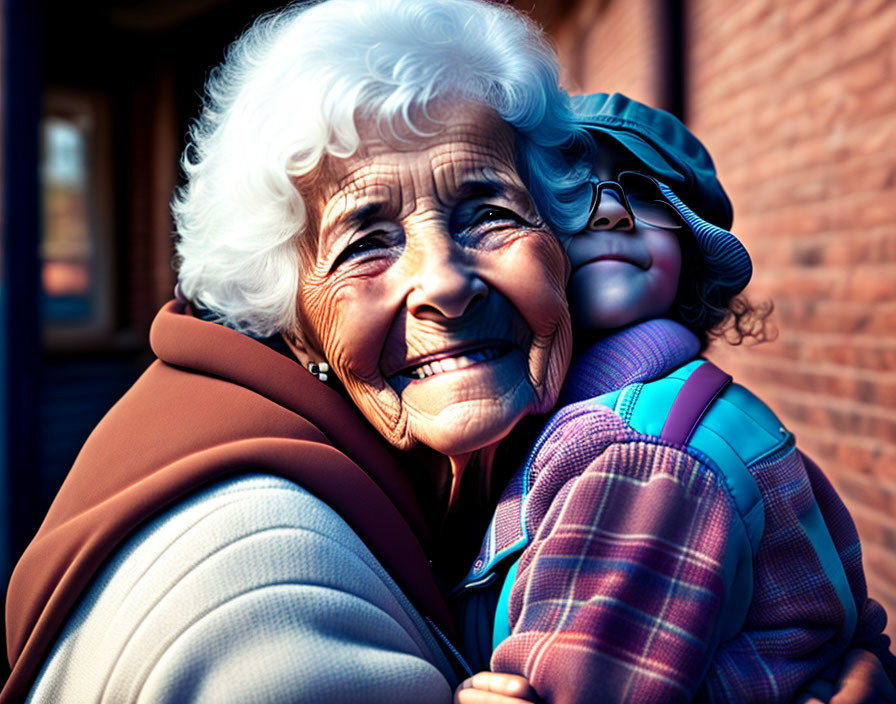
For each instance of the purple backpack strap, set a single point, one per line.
(697, 393)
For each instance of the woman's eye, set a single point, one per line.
(494, 214)
(487, 226)
(369, 243)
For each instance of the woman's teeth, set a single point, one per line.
(450, 364)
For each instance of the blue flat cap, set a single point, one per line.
(669, 152)
(667, 149)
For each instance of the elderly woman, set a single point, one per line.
(356, 205)
(232, 531)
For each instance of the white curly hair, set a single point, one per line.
(288, 92)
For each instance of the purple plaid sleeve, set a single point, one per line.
(619, 595)
(872, 620)
(791, 632)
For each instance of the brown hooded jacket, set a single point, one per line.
(214, 404)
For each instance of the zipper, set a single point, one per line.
(465, 670)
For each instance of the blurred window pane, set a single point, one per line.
(75, 246)
(66, 245)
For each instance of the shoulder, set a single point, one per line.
(734, 421)
(229, 593)
(591, 448)
(731, 436)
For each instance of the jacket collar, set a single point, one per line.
(182, 340)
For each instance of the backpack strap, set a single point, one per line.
(730, 434)
(698, 408)
(501, 626)
(697, 393)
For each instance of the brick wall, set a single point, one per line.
(797, 103)
(607, 47)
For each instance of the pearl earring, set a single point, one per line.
(319, 370)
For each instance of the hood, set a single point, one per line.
(214, 404)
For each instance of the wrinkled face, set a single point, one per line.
(626, 264)
(435, 292)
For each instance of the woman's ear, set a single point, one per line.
(299, 348)
(314, 363)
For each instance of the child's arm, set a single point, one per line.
(494, 688)
(860, 680)
(626, 589)
(621, 592)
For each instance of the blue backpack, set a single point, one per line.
(731, 431)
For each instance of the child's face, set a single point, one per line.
(624, 269)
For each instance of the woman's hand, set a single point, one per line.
(861, 680)
(494, 688)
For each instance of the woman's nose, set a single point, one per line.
(446, 285)
(610, 213)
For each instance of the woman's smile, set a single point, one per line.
(436, 293)
(442, 362)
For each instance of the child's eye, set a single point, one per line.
(653, 212)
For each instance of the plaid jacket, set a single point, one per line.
(629, 586)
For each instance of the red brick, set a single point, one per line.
(874, 528)
(843, 382)
(875, 355)
(873, 493)
(881, 575)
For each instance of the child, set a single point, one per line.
(665, 540)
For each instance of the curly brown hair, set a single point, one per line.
(711, 313)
